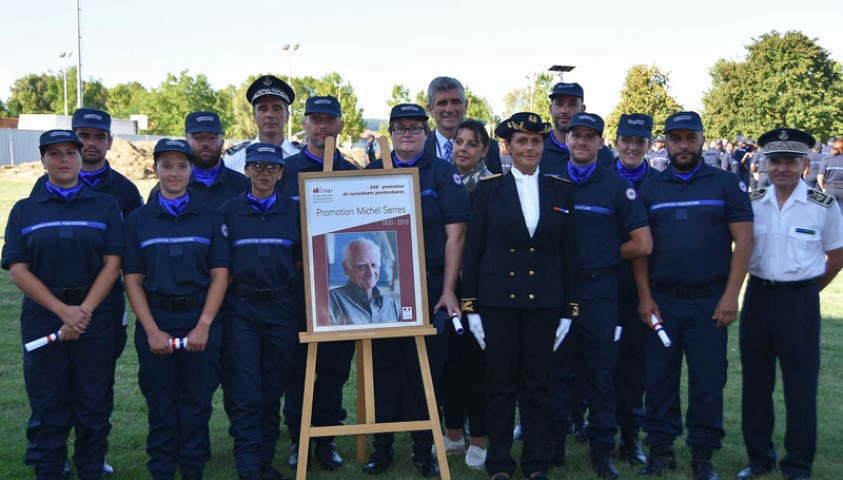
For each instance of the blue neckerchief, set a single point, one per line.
(92, 178)
(317, 159)
(581, 174)
(561, 146)
(174, 206)
(261, 204)
(686, 176)
(207, 177)
(411, 163)
(63, 194)
(632, 175)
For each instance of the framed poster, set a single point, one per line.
(363, 250)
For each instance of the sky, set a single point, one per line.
(491, 46)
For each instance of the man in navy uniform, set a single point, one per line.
(611, 224)
(633, 141)
(93, 128)
(830, 176)
(658, 154)
(212, 181)
(798, 251)
(813, 169)
(270, 98)
(696, 213)
(566, 100)
(447, 104)
(322, 120)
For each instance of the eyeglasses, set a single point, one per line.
(269, 167)
(414, 130)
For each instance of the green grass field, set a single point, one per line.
(129, 419)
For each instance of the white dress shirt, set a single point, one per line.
(440, 146)
(790, 243)
(238, 160)
(528, 196)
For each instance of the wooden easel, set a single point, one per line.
(365, 376)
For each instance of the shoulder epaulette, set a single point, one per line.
(756, 194)
(557, 177)
(819, 197)
(237, 148)
(497, 175)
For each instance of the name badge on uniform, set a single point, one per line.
(560, 210)
(806, 231)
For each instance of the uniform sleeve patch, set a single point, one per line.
(742, 186)
(457, 179)
(821, 198)
(756, 194)
(224, 230)
(631, 194)
(238, 147)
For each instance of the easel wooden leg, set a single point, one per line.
(432, 409)
(361, 403)
(307, 411)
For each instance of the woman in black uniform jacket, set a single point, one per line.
(519, 274)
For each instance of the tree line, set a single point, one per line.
(785, 80)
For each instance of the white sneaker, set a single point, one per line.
(454, 446)
(475, 457)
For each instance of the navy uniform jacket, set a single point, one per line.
(444, 201)
(555, 159)
(607, 208)
(692, 244)
(831, 168)
(493, 157)
(742, 168)
(113, 184)
(229, 184)
(659, 159)
(265, 250)
(63, 243)
(175, 254)
(815, 159)
(300, 162)
(626, 282)
(504, 266)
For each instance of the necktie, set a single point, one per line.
(449, 150)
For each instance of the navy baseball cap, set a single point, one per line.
(91, 118)
(196, 122)
(585, 119)
(264, 152)
(660, 138)
(172, 145)
(635, 125)
(786, 142)
(270, 85)
(328, 105)
(563, 88)
(408, 110)
(51, 137)
(683, 121)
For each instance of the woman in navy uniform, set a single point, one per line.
(176, 274)
(260, 319)
(519, 274)
(67, 384)
(398, 388)
(465, 383)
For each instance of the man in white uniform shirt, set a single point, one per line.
(270, 98)
(798, 250)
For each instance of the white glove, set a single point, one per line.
(561, 331)
(475, 324)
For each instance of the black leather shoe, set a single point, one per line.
(268, 472)
(499, 476)
(556, 453)
(629, 449)
(601, 461)
(662, 459)
(701, 464)
(750, 472)
(578, 430)
(425, 461)
(379, 461)
(326, 455)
